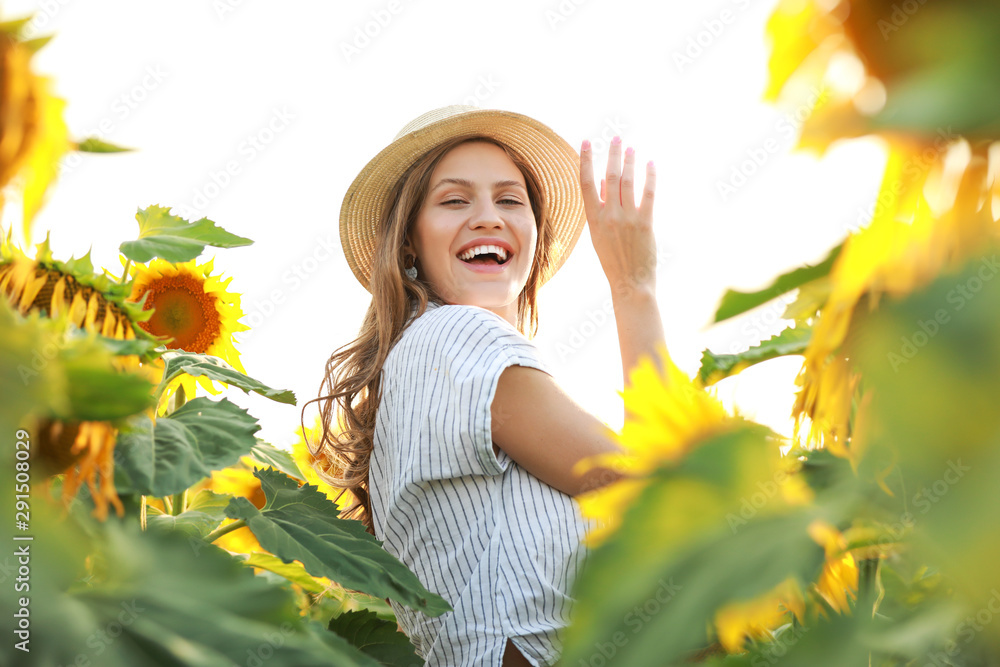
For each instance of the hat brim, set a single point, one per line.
(554, 161)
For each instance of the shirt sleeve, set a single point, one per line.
(468, 348)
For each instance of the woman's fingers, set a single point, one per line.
(591, 204)
(628, 181)
(614, 175)
(648, 193)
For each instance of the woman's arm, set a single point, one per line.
(534, 421)
(546, 432)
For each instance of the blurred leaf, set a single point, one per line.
(933, 363)
(156, 598)
(735, 303)
(46, 370)
(199, 437)
(98, 145)
(375, 637)
(179, 362)
(97, 390)
(715, 367)
(175, 239)
(710, 530)
(300, 523)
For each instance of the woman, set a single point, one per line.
(451, 434)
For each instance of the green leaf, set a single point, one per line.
(293, 571)
(157, 598)
(50, 371)
(175, 239)
(279, 459)
(736, 303)
(133, 346)
(932, 362)
(36, 44)
(214, 368)
(300, 523)
(97, 391)
(715, 367)
(203, 515)
(200, 437)
(97, 145)
(379, 639)
(31, 383)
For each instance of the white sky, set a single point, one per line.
(194, 84)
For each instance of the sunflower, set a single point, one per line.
(192, 308)
(758, 618)
(239, 481)
(312, 466)
(33, 134)
(81, 451)
(938, 203)
(838, 581)
(668, 415)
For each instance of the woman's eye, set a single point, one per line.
(453, 201)
(511, 202)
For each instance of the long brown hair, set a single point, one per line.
(353, 372)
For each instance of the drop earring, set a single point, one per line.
(411, 270)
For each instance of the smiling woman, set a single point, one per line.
(451, 432)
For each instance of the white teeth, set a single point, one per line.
(482, 250)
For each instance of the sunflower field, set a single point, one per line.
(151, 526)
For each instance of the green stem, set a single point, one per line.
(225, 530)
(142, 512)
(178, 503)
(128, 264)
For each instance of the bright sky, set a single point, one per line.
(259, 114)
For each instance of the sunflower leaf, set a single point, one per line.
(736, 303)
(278, 459)
(199, 437)
(690, 542)
(300, 523)
(293, 571)
(165, 598)
(203, 514)
(378, 638)
(174, 239)
(214, 368)
(715, 367)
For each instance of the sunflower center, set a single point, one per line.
(183, 311)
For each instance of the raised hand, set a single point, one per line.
(621, 232)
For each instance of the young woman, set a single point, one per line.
(449, 430)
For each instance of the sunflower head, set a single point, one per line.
(33, 134)
(668, 415)
(81, 451)
(191, 309)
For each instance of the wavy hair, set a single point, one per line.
(351, 388)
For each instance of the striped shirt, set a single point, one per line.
(501, 546)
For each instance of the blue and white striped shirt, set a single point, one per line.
(499, 544)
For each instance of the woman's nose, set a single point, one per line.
(486, 213)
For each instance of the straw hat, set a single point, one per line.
(555, 163)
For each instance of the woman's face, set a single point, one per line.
(476, 198)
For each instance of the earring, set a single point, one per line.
(411, 270)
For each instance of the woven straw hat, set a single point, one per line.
(554, 161)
